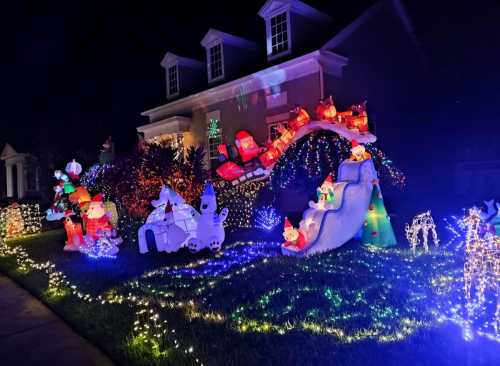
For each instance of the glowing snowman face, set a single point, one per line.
(291, 234)
(96, 210)
(208, 204)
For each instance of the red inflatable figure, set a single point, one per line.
(302, 118)
(326, 110)
(294, 238)
(355, 118)
(97, 217)
(246, 145)
(74, 235)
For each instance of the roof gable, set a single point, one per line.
(214, 35)
(8, 151)
(273, 7)
(171, 58)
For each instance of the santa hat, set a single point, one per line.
(241, 134)
(328, 181)
(355, 146)
(97, 198)
(209, 190)
(288, 225)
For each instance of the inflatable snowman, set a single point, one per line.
(209, 230)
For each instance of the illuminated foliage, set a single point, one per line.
(134, 181)
(307, 163)
(18, 220)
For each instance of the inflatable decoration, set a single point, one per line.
(340, 213)
(325, 195)
(96, 217)
(73, 169)
(80, 196)
(209, 230)
(74, 235)
(249, 161)
(326, 110)
(59, 205)
(167, 235)
(359, 152)
(104, 246)
(163, 227)
(100, 239)
(491, 218)
(295, 239)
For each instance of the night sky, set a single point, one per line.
(74, 72)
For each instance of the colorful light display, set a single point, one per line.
(482, 263)
(267, 218)
(148, 328)
(20, 219)
(422, 223)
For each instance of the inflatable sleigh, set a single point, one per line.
(249, 161)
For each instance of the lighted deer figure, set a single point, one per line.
(482, 264)
(421, 223)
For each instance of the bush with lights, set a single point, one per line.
(134, 181)
(20, 219)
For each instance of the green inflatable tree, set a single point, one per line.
(377, 229)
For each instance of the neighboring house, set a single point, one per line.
(307, 55)
(22, 174)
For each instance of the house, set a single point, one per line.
(22, 174)
(307, 55)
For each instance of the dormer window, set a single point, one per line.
(172, 80)
(215, 62)
(279, 33)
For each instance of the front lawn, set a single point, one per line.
(248, 305)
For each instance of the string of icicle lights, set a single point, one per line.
(148, 328)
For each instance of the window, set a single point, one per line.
(274, 129)
(276, 100)
(176, 140)
(215, 66)
(279, 33)
(173, 80)
(214, 134)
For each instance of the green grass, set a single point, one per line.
(352, 306)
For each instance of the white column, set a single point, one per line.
(8, 176)
(20, 180)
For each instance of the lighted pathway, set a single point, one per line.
(31, 334)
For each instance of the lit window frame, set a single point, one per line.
(270, 54)
(209, 61)
(169, 66)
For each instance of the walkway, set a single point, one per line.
(31, 334)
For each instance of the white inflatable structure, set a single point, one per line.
(171, 231)
(329, 229)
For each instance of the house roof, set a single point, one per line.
(335, 32)
(273, 6)
(214, 34)
(172, 57)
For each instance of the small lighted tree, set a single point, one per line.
(377, 229)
